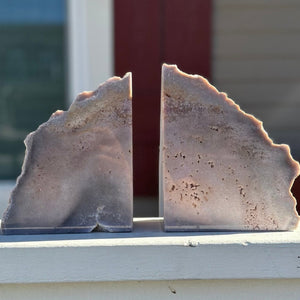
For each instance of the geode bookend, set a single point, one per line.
(77, 171)
(219, 169)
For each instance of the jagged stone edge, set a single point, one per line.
(294, 164)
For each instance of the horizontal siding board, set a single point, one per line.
(254, 4)
(244, 20)
(263, 93)
(256, 45)
(287, 70)
(277, 105)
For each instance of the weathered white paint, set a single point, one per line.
(148, 253)
(90, 44)
(179, 289)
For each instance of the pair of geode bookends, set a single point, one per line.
(219, 170)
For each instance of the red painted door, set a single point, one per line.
(148, 33)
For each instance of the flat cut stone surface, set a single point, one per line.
(77, 171)
(219, 170)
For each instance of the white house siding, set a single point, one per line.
(256, 61)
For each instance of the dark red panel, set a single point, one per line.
(137, 49)
(148, 33)
(137, 42)
(187, 35)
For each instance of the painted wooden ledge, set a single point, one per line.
(148, 253)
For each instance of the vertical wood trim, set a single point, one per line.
(89, 45)
(77, 48)
(100, 41)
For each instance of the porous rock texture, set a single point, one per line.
(219, 170)
(77, 171)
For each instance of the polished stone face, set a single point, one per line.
(219, 170)
(77, 171)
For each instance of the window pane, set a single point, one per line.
(32, 73)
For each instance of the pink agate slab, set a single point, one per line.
(77, 171)
(219, 170)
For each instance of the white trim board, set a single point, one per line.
(90, 44)
(148, 253)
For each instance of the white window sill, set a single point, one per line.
(148, 253)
